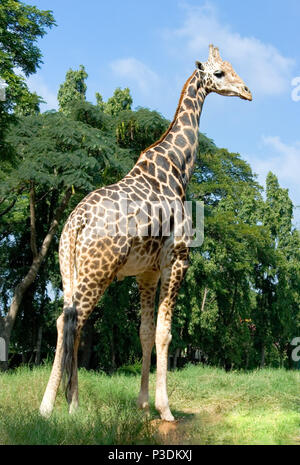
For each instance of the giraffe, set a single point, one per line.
(95, 248)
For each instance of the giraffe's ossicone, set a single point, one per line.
(137, 227)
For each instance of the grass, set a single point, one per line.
(210, 405)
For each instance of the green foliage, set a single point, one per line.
(56, 152)
(139, 129)
(120, 101)
(28, 104)
(21, 26)
(100, 101)
(72, 90)
(117, 329)
(89, 114)
(132, 369)
(278, 279)
(239, 302)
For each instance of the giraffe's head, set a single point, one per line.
(220, 77)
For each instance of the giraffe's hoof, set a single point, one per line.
(73, 407)
(45, 411)
(167, 416)
(165, 413)
(143, 404)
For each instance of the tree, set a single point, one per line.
(72, 90)
(278, 278)
(139, 129)
(216, 299)
(120, 101)
(21, 26)
(55, 156)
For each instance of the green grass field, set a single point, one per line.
(210, 405)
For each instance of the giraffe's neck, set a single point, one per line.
(178, 146)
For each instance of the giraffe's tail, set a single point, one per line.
(68, 362)
(67, 265)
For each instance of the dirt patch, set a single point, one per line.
(165, 427)
(167, 432)
(189, 428)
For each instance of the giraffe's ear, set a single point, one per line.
(199, 65)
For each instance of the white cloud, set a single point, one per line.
(265, 70)
(282, 159)
(136, 71)
(37, 84)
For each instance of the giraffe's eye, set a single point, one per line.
(219, 74)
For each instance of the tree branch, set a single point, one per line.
(8, 208)
(2, 199)
(204, 299)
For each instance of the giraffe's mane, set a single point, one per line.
(162, 137)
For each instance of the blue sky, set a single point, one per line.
(151, 48)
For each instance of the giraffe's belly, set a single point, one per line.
(142, 257)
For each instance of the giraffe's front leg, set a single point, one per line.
(147, 284)
(170, 282)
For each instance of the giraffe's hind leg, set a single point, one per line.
(89, 288)
(83, 307)
(147, 284)
(94, 273)
(47, 404)
(84, 302)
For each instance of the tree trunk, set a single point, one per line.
(263, 354)
(204, 299)
(189, 353)
(86, 343)
(113, 352)
(4, 347)
(176, 355)
(32, 222)
(227, 365)
(38, 346)
(247, 359)
(9, 321)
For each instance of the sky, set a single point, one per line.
(151, 47)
